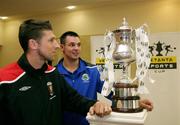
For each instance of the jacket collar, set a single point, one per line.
(25, 65)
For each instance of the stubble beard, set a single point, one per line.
(45, 58)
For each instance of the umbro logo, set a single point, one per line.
(24, 88)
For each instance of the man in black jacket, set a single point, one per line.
(31, 91)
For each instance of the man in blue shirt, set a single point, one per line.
(81, 75)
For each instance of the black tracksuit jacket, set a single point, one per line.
(36, 97)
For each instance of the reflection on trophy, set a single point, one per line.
(128, 46)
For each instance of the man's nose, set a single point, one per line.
(56, 44)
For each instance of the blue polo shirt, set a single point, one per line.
(86, 80)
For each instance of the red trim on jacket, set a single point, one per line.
(50, 68)
(10, 72)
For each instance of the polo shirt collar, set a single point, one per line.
(63, 70)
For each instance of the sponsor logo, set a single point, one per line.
(161, 58)
(24, 88)
(101, 62)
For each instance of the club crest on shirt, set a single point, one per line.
(50, 89)
(85, 77)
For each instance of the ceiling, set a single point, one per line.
(20, 8)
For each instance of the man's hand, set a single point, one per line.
(101, 109)
(145, 103)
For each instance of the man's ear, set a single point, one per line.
(33, 44)
(62, 47)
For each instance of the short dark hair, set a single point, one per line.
(68, 33)
(32, 29)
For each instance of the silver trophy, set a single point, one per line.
(123, 53)
(130, 46)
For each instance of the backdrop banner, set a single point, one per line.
(164, 70)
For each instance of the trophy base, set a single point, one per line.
(124, 110)
(128, 104)
(125, 85)
(126, 99)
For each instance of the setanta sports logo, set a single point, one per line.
(161, 58)
(100, 60)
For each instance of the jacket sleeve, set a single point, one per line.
(73, 101)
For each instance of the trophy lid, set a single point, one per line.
(124, 25)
